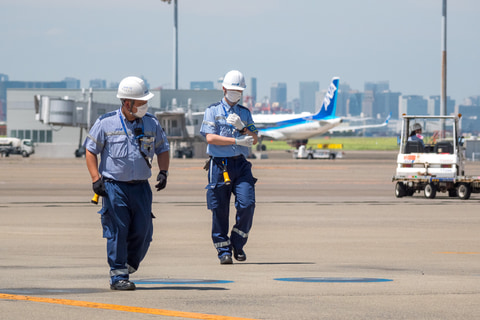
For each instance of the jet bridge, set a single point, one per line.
(183, 134)
(182, 128)
(68, 112)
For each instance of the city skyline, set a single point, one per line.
(102, 83)
(376, 100)
(378, 40)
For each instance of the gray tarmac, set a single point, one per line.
(335, 224)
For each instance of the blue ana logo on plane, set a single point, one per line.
(329, 95)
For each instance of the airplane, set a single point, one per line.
(298, 128)
(348, 128)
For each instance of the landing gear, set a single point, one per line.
(261, 147)
(297, 143)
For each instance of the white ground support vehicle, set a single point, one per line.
(432, 160)
(10, 146)
(303, 153)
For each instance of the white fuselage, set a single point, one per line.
(303, 129)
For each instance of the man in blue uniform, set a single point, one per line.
(127, 140)
(229, 130)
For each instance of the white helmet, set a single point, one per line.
(234, 80)
(133, 88)
(416, 126)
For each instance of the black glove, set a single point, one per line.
(162, 180)
(99, 188)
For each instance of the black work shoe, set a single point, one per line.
(226, 259)
(239, 254)
(123, 285)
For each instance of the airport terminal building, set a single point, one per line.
(57, 120)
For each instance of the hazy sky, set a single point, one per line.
(274, 41)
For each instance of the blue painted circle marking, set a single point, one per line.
(333, 279)
(179, 281)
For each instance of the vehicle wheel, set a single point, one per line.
(332, 156)
(310, 156)
(400, 190)
(410, 192)
(464, 191)
(430, 191)
(24, 154)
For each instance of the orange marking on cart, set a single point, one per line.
(410, 157)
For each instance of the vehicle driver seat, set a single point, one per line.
(444, 147)
(414, 147)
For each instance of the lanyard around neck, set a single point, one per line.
(125, 128)
(230, 108)
(147, 159)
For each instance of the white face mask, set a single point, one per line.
(233, 96)
(141, 111)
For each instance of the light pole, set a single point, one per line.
(443, 98)
(175, 42)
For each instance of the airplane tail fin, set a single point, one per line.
(329, 105)
(388, 118)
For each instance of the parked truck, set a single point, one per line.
(432, 159)
(10, 146)
(304, 153)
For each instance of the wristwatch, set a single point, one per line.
(165, 172)
(243, 131)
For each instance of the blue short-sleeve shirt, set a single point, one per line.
(113, 137)
(215, 121)
(416, 138)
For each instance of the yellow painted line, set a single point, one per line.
(94, 305)
(452, 252)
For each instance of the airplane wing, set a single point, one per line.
(355, 128)
(323, 122)
(271, 134)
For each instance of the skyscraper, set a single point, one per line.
(386, 102)
(434, 105)
(412, 105)
(470, 120)
(373, 104)
(342, 99)
(278, 93)
(307, 90)
(354, 103)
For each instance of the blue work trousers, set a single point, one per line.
(127, 226)
(218, 201)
